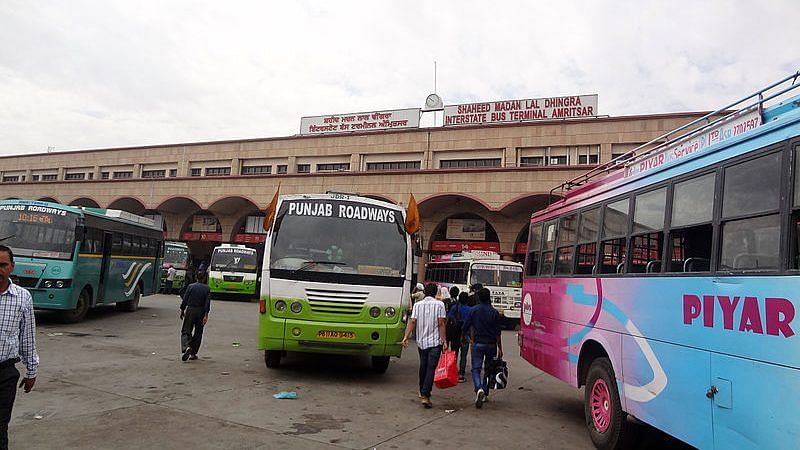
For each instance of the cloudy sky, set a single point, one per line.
(78, 74)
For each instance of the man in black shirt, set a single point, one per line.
(483, 325)
(195, 305)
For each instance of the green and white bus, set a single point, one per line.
(176, 254)
(336, 278)
(233, 270)
(72, 259)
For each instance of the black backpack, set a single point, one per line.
(454, 324)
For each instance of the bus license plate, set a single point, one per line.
(327, 334)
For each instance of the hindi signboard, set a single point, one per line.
(505, 111)
(370, 121)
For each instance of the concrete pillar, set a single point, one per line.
(174, 223)
(605, 152)
(137, 170)
(355, 162)
(228, 223)
(236, 167)
(510, 157)
(291, 165)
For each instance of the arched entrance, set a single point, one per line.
(202, 232)
(463, 231)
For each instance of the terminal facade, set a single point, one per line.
(476, 185)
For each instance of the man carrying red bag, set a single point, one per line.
(428, 317)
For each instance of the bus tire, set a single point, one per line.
(380, 363)
(132, 304)
(272, 358)
(81, 308)
(607, 423)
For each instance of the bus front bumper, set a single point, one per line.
(330, 337)
(52, 298)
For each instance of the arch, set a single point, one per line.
(526, 204)
(85, 201)
(439, 234)
(201, 243)
(129, 204)
(48, 199)
(233, 206)
(429, 205)
(179, 205)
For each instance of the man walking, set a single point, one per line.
(170, 279)
(484, 325)
(195, 305)
(17, 340)
(428, 318)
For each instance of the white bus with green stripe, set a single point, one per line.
(233, 270)
(335, 279)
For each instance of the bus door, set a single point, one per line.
(104, 268)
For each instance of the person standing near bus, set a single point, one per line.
(428, 318)
(457, 315)
(17, 340)
(484, 325)
(170, 279)
(195, 306)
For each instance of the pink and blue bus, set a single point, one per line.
(667, 282)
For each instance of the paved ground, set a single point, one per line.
(116, 381)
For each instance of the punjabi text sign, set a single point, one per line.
(370, 121)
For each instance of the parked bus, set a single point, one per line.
(233, 270)
(464, 269)
(176, 254)
(336, 278)
(72, 259)
(670, 286)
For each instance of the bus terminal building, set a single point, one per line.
(476, 179)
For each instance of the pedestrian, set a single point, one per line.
(428, 318)
(483, 325)
(170, 279)
(459, 343)
(418, 293)
(444, 296)
(17, 341)
(202, 267)
(195, 306)
(473, 293)
(454, 291)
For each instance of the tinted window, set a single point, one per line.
(693, 201)
(751, 244)
(752, 186)
(615, 222)
(567, 229)
(549, 235)
(590, 222)
(649, 212)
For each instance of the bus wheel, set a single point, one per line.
(132, 304)
(607, 423)
(380, 363)
(81, 308)
(272, 358)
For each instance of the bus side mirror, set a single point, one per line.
(416, 245)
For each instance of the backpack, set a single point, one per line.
(454, 325)
(496, 375)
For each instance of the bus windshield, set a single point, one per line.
(175, 256)
(338, 237)
(234, 260)
(497, 275)
(35, 231)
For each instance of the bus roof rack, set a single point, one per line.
(756, 102)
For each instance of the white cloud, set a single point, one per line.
(85, 74)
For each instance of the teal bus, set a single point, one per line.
(176, 254)
(233, 270)
(72, 259)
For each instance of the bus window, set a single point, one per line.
(648, 218)
(534, 242)
(795, 259)
(614, 246)
(586, 257)
(567, 233)
(548, 247)
(751, 188)
(691, 232)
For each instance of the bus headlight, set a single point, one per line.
(374, 311)
(59, 284)
(48, 283)
(280, 305)
(390, 312)
(296, 307)
(55, 283)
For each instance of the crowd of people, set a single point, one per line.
(463, 322)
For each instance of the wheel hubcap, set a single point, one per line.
(601, 405)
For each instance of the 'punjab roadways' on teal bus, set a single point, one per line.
(72, 258)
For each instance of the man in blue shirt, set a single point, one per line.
(483, 325)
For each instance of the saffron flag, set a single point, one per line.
(412, 216)
(273, 205)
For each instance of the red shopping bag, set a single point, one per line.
(446, 374)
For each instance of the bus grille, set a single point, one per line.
(232, 278)
(336, 302)
(26, 282)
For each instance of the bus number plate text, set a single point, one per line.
(327, 334)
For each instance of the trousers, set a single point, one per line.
(192, 329)
(9, 376)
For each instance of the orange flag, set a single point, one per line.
(273, 205)
(412, 216)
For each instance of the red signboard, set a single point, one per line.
(457, 246)
(522, 247)
(197, 236)
(249, 238)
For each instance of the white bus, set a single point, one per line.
(336, 278)
(233, 270)
(464, 269)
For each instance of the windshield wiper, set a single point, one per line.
(308, 264)
(7, 237)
